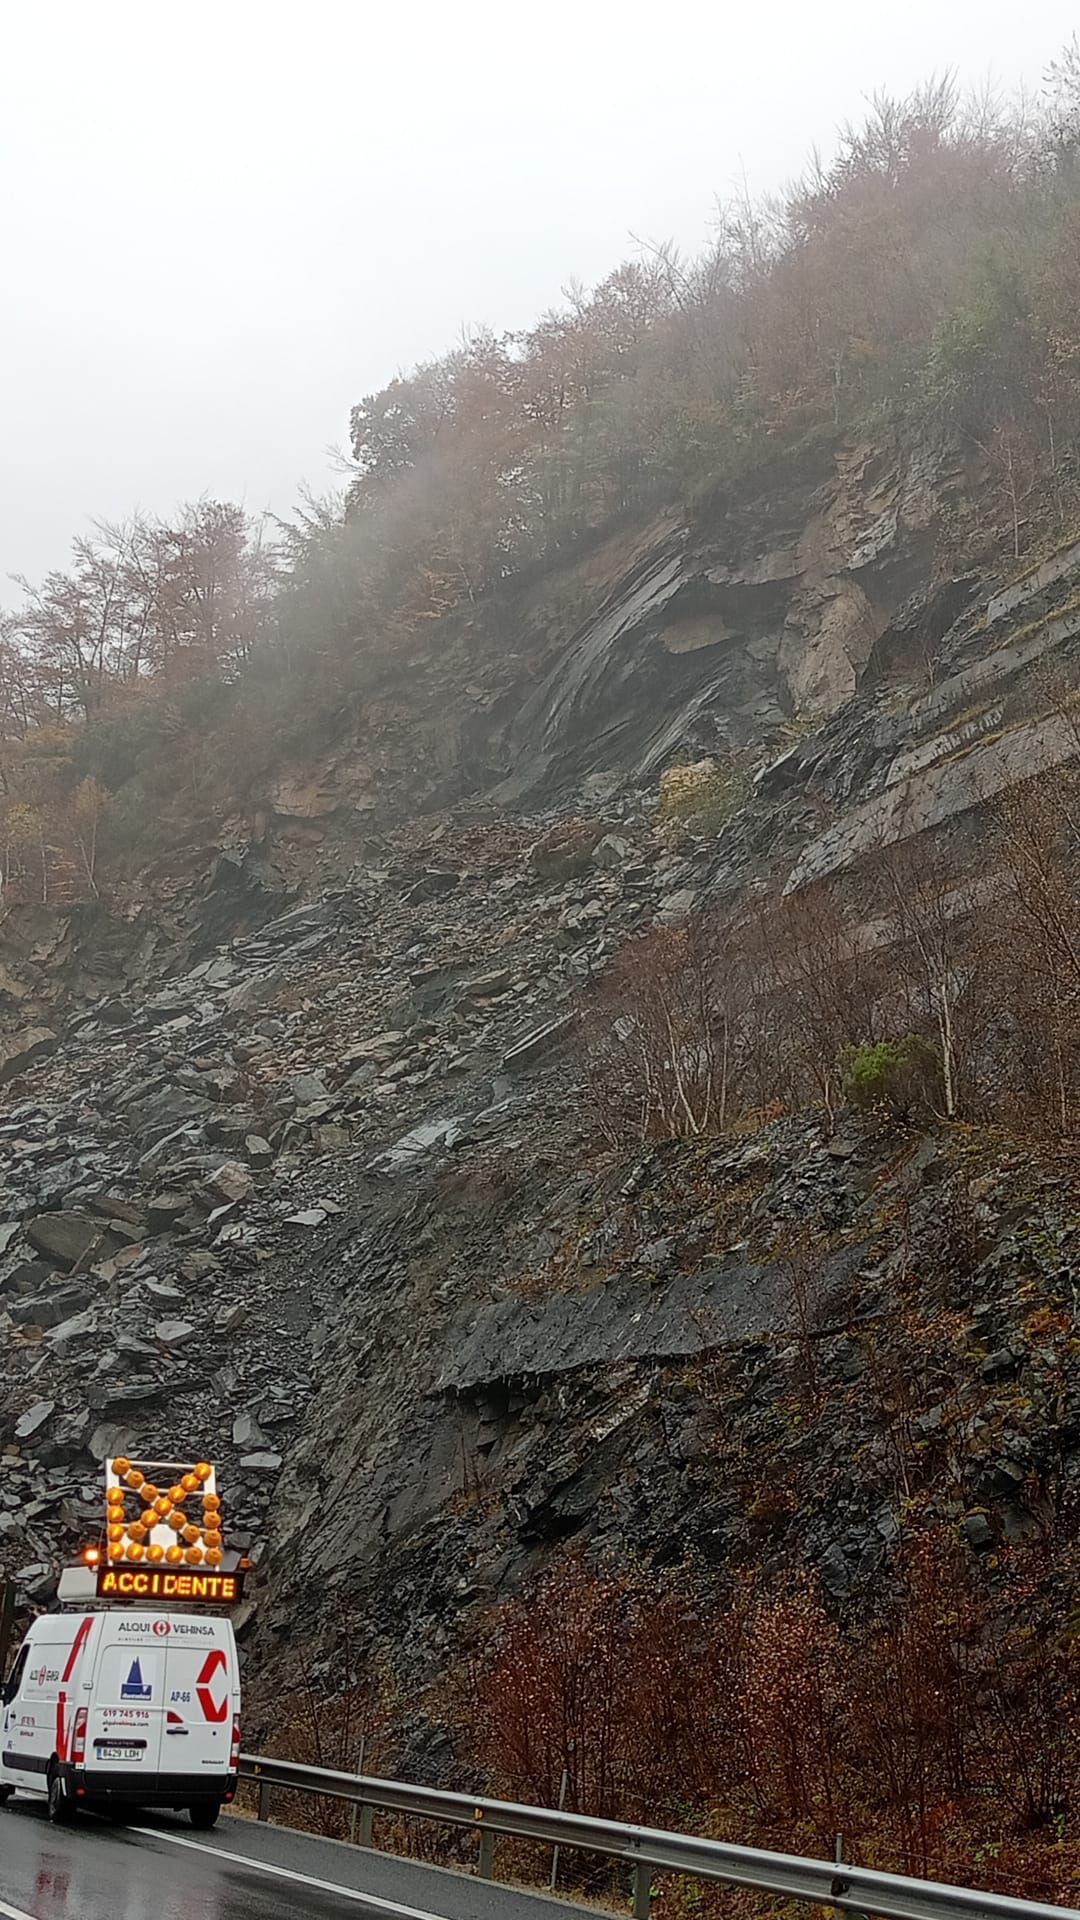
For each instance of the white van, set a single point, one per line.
(113, 1709)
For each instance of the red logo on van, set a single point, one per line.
(160, 1627)
(77, 1646)
(213, 1710)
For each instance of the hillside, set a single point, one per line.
(556, 1064)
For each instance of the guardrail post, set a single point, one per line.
(563, 1784)
(839, 1884)
(642, 1890)
(365, 1832)
(486, 1868)
(355, 1808)
(264, 1800)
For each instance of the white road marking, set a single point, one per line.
(281, 1873)
(14, 1913)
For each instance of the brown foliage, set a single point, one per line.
(945, 1728)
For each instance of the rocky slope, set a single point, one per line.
(296, 1169)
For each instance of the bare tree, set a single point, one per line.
(1038, 835)
(940, 957)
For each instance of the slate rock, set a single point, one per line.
(308, 1089)
(48, 1310)
(165, 1209)
(431, 884)
(63, 1238)
(131, 1393)
(113, 1206)
(36, 1580)
(247, 1432)
(82, 1326)
(230, 1184)
(31, 1422)
(659, 1255)
(676, 907)
(64, 1442)
(174, 1333)
(107, 1442)
(998, 1365)
(611, 852)
(383, 1046)
(257, 991)
(420, 1141)
(977, 1531)
(164, 1290)
(27, 1277)
(535, 1044)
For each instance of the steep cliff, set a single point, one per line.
(300, 1169)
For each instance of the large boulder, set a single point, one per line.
(232, 1182)
(63, 1238)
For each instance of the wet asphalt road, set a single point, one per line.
(158, 1868)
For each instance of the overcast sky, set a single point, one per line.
(222, 222)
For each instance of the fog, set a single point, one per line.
(221, 224)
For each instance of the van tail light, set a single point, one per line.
(234, 1751)
(78, 1739)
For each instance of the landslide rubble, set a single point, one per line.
(170, 1157)
(297, 1170)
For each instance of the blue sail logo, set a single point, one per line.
(133, 1687)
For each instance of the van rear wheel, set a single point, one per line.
(204, 1814)
(61, 1809)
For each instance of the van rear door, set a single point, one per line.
(201, 1681)
(126, 1705)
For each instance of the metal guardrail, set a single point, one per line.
(647, 1850)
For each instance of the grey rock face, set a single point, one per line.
(18, 1051)
(624, 1319)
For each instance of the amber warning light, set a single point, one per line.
(161, 1514)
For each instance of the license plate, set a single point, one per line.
(111, 1750)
